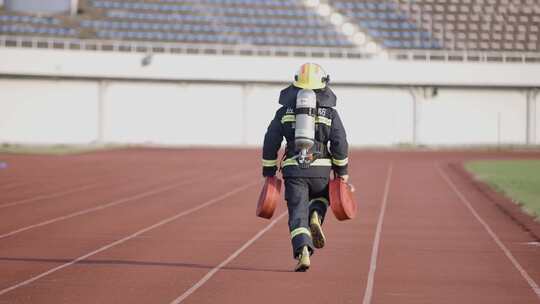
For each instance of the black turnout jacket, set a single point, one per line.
(331, 147)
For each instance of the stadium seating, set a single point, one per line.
(386, 24)
(215, 21)
(29, 19)
(32, 25)
(479, 25)
(494, 25)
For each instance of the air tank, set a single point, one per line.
(304, 134)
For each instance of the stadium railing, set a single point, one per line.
(275, 51)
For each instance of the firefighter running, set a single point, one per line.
(316, 144)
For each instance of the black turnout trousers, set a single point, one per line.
(304, 195)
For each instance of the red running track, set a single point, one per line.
(178, 226)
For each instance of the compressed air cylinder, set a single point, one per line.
(306, 106)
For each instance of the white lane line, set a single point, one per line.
(129, 237)
(11, 185)
(494, 236)
(368, 294)
(48, 196)
(100, 207)
(212, 272)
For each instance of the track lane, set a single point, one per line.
(511, 258)
(51, 195)
(512, 232)
(368, 293)
(17, 254)
(263, 273)
(78, 204)
(161, 265)
(124, 239)
(45, 175)
(434, 251)
(21, 218)
(42, 180)
(11, 185)
(230, 258)
(152, 268)
(112, 179)
(102, 206)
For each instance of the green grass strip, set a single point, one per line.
(517, 179)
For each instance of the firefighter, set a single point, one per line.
(316, 145)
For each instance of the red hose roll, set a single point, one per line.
(342, 200)
(269, 197)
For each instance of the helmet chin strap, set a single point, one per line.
(326, 79)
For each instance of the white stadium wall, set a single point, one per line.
(177, 114)
(472, 117)
(66, 111)
(260, 104)
(84, 97)
(376, 116)
(48, 111)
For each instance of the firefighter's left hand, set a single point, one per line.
(345, 178)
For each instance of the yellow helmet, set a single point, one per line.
(311, 76)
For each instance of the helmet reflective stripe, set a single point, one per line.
(310, 76)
